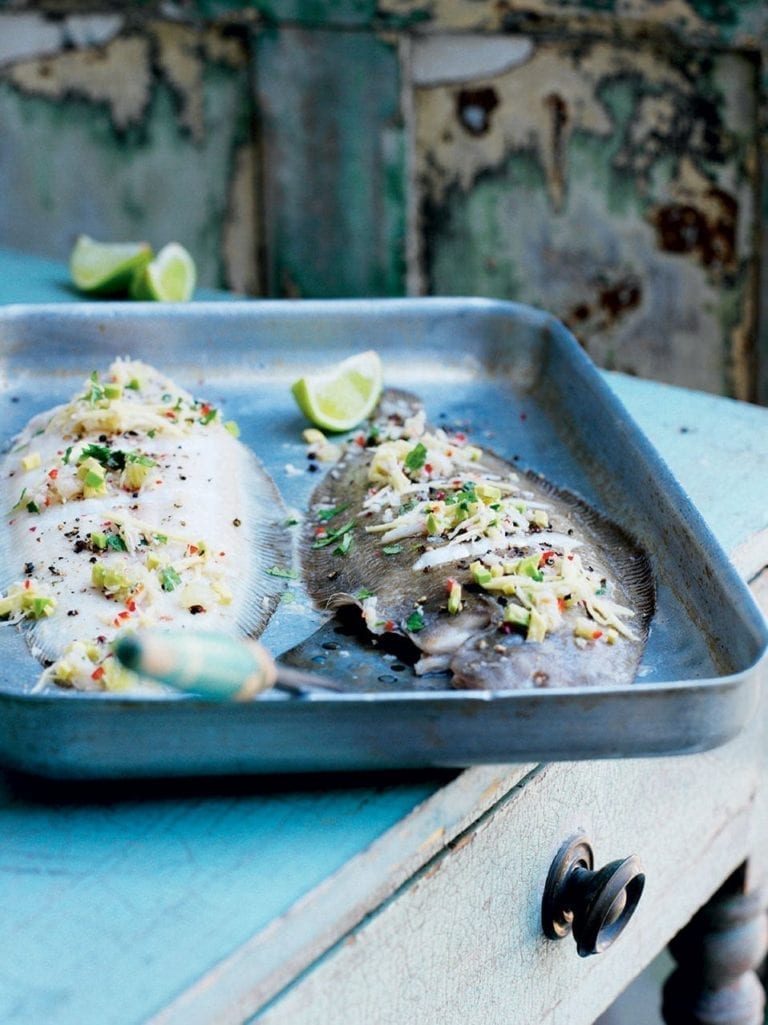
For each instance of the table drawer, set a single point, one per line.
(462, 941)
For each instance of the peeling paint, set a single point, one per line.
(440, 60)
(116, 74)
(240, 242)
(26, 35)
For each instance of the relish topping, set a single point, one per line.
(112, 450)
(433, 486)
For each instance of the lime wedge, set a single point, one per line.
(339, 398)
(106, 268)
(169, 278)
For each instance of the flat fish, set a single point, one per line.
(499, 577)
(133, 505)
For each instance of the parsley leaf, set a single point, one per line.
(416, 458)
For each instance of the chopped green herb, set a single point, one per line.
(33, 507)
(416, 458)
(95, 392)
(392, 549)
(327, 514)
(287, 597)
(110, 459)
(137, 458)
(20, 500)
(346, 543)
(233, 428)
(334, 535)
(40, 607)
(415, 621)
(291, 522)
(285, 574)
(151, 433)
(134, 384)
(67, 454)
(210, 415)
(365, 593)
(116, 543)
(161, 539)
(169, 578)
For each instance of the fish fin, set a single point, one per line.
(272, 548)
(629, 561)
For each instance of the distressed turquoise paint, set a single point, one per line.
(112, 902)
(334, 173)
(152, 181)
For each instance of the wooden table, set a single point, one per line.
(410, 898)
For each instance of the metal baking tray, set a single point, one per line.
(516, 381)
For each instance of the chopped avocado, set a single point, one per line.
(537, 627)
(488, 493)
(112, 579)
(529, 567)
(516, 614)
(454, 597)
(480, 574)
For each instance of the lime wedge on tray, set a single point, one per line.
(106, 268)
(337, 399)
(170, 277)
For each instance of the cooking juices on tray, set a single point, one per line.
(133, 504)
(505, 580)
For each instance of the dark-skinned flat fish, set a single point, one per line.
(497, 576)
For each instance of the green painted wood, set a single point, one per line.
(147, 130)
(606, 182)
(334, 172)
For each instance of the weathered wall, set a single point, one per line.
(602, 159)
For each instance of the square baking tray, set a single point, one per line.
(516, 381)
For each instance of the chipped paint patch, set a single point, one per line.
(240, 243)
(440, 60)
(117, 75)
(26, 35)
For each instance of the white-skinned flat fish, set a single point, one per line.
(133, 505)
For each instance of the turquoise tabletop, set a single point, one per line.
(115, 899)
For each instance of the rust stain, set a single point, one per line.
(707, 231)
(609, 302)
(463, 841)
(558, 110)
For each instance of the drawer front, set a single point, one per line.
(462, 942)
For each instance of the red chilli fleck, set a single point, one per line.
(97, 673)
(597, 634)
(53, 474)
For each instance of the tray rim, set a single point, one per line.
(635, 692)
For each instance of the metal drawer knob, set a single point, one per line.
(593, 905)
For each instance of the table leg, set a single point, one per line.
(715, 982)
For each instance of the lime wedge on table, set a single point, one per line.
(169, 278)
(106, 268)
(337, 399)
